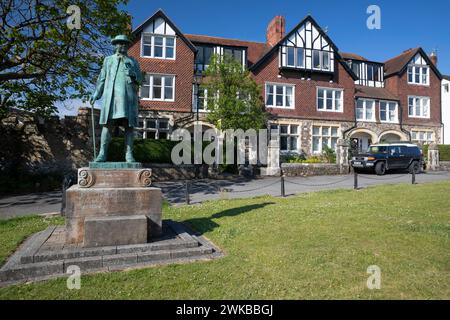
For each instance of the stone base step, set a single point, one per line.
(31, 264)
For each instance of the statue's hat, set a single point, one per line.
(120, 38)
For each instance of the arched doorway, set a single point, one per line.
(392, 136)
(204, 126)
(361, 139)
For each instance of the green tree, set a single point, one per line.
(234, 99)
(43, 60)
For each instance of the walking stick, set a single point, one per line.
(93, 130)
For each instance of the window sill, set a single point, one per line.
(335, 111)
(158, 58)
(156, 100)
(278, 107)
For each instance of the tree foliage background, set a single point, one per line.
(43, 61)
(238, 102)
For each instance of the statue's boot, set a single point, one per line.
(129, 137)
(104, 143)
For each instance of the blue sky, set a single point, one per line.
(404, 24)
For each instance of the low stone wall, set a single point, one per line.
(444, 165)
(168, 172)
(310, 169)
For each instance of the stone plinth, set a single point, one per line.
(111, 205)
(107, 231)
(101, 202)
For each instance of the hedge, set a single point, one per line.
(146, 150)
(444, 151)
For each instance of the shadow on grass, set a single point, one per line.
(207, 224)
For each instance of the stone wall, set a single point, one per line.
(444, 165)
(37, 145)
(310, 169)
(167, 172)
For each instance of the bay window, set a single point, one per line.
(419, 107)
(321, 60)
(365, 110)
(289, 136)
(279, 96)
(295, 57)
(388, 111)
(329, 99)
(158, 87)
(422, 137)
(324, 136)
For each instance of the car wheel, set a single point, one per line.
(414, 167)
(380, 168)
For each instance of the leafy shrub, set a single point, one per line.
(144, 150)
(444, 151)
(329, 154)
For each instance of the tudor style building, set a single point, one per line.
(314, 93)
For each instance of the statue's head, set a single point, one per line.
(121, 44)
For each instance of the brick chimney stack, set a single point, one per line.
(434, 58)
(275, 30)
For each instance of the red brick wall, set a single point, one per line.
(400, 87)
(306, 91)
(182, 67)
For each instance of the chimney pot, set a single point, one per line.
(434, 58)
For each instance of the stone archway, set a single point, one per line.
(392, 136)
(361, 139)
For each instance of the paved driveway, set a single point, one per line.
(202, 190)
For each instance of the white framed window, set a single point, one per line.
(446, 88)
(329, 99)
(365, 110)
(158, 87)
(280, 96)
(200, 99)
(422, 137)
(324, 136)
(418, 107)
(419, 74)
(321, 60)
(389, 111)
(295, 57)
(289, 136)
(153, 128)
(158, 46)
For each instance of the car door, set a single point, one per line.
(394, 159)
(405, 157)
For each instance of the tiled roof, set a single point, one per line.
(396, 64)
(374, 93)
(352, 56)
(255, 50)
(446, 77)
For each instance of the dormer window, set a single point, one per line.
(321, 60)
(295, 57)
(418, 71)
(158, 46)
(307, 49)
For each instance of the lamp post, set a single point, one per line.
(197, 81)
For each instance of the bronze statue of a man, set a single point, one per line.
(118, 83)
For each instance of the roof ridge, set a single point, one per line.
(403, 53)
(232, 39)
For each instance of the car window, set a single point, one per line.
(377, 149)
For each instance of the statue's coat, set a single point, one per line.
(124, 99)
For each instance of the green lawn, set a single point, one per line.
(315, 245)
